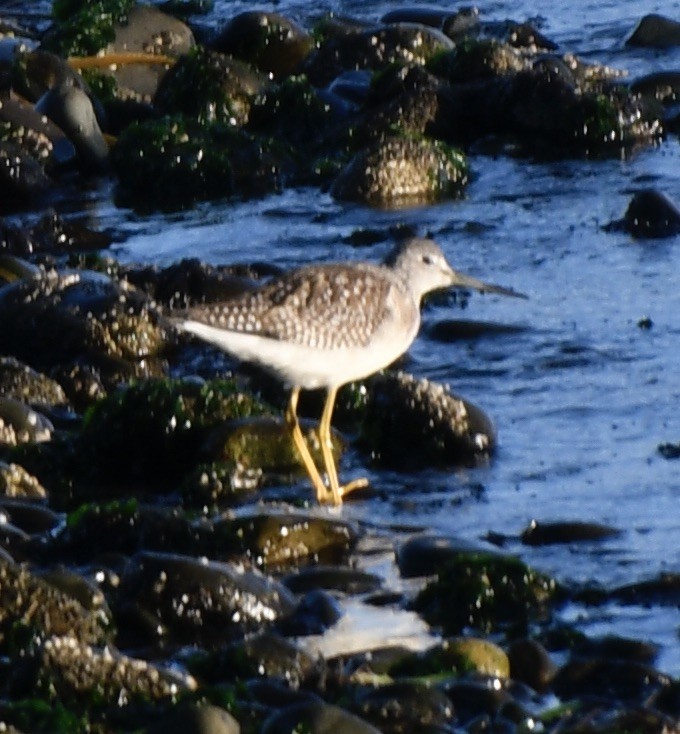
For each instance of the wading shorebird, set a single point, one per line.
(322, 326)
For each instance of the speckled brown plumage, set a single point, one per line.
(324, 307)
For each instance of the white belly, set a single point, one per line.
(303, 366)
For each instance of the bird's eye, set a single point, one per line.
(428, 260)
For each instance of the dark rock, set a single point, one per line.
(412, 423)
(424, 555)
(22, 179)
(655, 31)
(70, 108)
(268, 41)
(549, 533)
(530, 663)
(651, 213)
(316, 718)
(404, 706)
(335, 578)
(201, 719)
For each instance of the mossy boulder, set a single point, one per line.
(487, 593)
(172, 163)
(209, 87)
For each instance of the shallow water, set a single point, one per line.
(581, 394)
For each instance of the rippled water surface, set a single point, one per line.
(581, 394)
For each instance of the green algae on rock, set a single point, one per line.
(159, 427)
(82, 28)
(171, 163)
(486, 593)
(209, 87)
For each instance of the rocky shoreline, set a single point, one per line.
(161, 565)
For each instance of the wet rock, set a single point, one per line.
(281, 539)
(69, 107)
(655, 31)
(405, 706)
(336, 578)
(619, 648)
(316, 718)
(30, 517)
(651, 213)
(20, 382)
(530, 663)
(549, 533)
(316, 612)
(262, 655)
(615, 679)
(374, 49)
(473, 699)
(412, 423)
(209, 87)
(451, 330)
(21, 424)
(268, 41)
(53, 234)
(669, 450)
(75, 670)
(464, 21)
(15, 481)
(22, 178)
(203, 601)
(399, 171)
(31, 607)
(425, 554)
(662, 85)
(295, 112)
(199, 719)
(486, 593)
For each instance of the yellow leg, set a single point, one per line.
(298, 439)
(337, 491)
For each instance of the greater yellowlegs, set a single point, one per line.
(322, 326)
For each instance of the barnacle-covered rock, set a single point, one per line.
(21, 382)
(475, 59)
(81, 313)
(401, 171)
(411, 422)
(15, 481)
(69, 669)
(19, 423)
(32, 608)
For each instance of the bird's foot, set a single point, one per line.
(355, 484)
